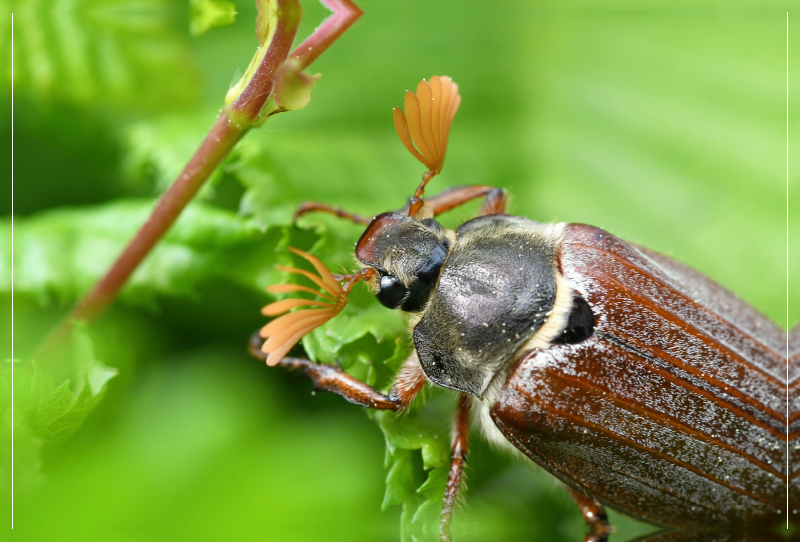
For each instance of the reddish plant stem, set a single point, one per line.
(345, 13)
(215, 147)
(212, 151)
(255, 94)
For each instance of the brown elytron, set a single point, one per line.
(673, 411)
(638, 382)
(794, 424)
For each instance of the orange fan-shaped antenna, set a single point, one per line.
(427, 119)
(284, 332)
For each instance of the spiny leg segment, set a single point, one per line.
(458, 457)
(594, 515)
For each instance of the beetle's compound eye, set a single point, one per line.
(392, 292)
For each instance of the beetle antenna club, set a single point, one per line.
(426, 123)
(284, 332)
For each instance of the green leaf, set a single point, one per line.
(58, 255)
(55, 414)
(364, 335)
(45, 416)
(293, 86)
(101, 52)
(206, 14)
(357, 321)
(418, 460)
(92, 376)
(158, 149)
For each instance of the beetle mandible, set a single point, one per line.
(638, 382)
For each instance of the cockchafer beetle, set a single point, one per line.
(638, 382)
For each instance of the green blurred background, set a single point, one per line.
(662, 122)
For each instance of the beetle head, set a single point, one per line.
(403, 253)
(408, 255)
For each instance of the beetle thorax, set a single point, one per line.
(496, 291)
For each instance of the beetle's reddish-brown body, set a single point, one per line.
(673, 411)
(638, 382)
(794, 424)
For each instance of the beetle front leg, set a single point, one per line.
(328, 378)
(494, 202)
(458, 457)
(594, 516)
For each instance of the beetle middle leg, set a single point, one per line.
(594, 516)
(458, 457)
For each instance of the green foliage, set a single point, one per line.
(60, 254)
(293, 86)
(417, 439)
(157, 150)
(111, 52)
(45, 415)
(206, 14)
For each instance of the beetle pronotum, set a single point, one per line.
(638, 382)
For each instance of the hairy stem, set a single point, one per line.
(231, 125)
